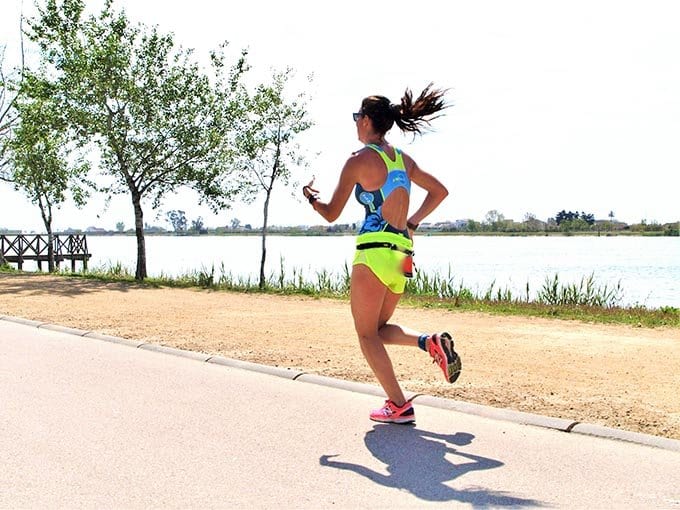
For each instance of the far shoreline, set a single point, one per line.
(315, 233)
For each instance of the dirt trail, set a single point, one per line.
(618, 376)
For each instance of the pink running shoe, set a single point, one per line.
(390, 413)
(440, 348)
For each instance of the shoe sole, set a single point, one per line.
(398, 421)
(454, 365)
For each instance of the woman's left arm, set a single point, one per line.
(436, 192)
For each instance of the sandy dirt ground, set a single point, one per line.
(617, 376)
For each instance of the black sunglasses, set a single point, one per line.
(357, 116)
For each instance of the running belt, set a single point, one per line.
(391, 246)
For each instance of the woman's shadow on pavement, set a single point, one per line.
(416, 463)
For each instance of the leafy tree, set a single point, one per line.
(197, 225)
(563, 216)
(568, 220)
(159, 121)
(473, 226)
(178, 220)
(235, 223)
(494, 220)
(10, 86)
(268, 144)
(43, 164)
(532, 223)
(588, 218)
(120, 226)
(574, 225)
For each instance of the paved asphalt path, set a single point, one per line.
(92, 424)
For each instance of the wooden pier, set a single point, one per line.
(17, 249)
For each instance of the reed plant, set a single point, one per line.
(5, 267)
(432, 285)
(586, 293)
(585, 299)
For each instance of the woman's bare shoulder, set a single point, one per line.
(359, 158)
(409, 163)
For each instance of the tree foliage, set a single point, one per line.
(10, 87)
(198, 226)
(159, 120)
(495, 220)
(178, 220)
(44, 164)
(267, 142)
(570, 216)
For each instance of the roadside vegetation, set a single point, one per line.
(586, 300)
(154, 116)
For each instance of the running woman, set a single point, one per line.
(381, 176)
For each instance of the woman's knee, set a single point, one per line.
(366, 336)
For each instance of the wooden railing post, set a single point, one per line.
(20, 262)
(86, 253)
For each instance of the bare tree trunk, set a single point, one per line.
(46, 213)
(140, 273)
(50, 249)
(268, 190)
(264, 238)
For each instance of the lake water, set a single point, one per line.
(648, 268)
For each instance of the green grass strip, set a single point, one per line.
(585, 301)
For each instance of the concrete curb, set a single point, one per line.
(496, 413)
(624, 435)
(286, 373)
(25, 322)
(568, 426)
(63, 329)
(198, 356)
(114, 339)
(357, 387)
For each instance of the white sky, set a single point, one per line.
(557, 105)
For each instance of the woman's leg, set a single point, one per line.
(439, 346)
(368, 298)
(393, 333)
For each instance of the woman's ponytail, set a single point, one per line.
(415, 116)
(409, 115)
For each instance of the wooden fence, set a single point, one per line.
(20, 248)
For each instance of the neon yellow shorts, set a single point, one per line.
(385, 263)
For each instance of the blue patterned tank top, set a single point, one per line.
(373, 200)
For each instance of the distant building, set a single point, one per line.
(340, 227)
(429, 227)
(153, 229)
(96, 230)
(71, 231)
